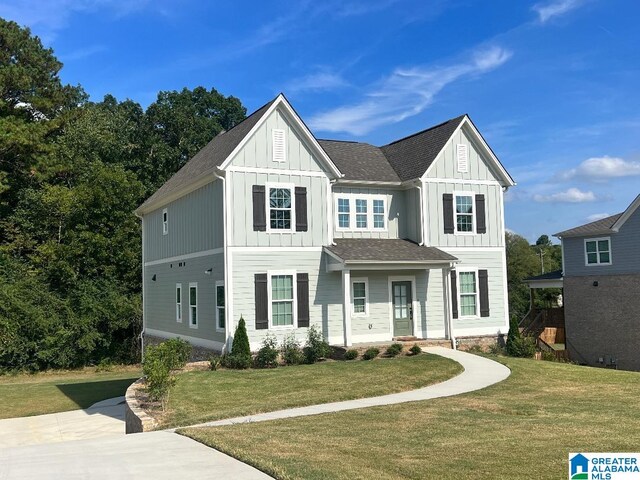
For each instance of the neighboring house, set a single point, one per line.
(367, 243)
(601, 282)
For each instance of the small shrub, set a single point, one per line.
(371, 353)
(240, 356)
(105, 365)
(178, 352)
(475, 349)
(235, 362)
(496, 349)
(316, 347)
(394, 350)
(548, 356)
(267, 356)
(351, 354)
(524, 347)
(215, 362)
(291, 351)
(160, 361)
(415, 350)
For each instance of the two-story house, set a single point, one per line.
(601, 289)
(368, 243)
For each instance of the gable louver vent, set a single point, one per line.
(463, 158)
(278, 145)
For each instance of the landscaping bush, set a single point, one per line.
(316, 347)
(240, 356)
(291, 351)
(235, 362)
(178, 352)
(351, 354)
(215, 362)
(267, 356)
(517, 345)
(371, 353)
(159, 363)
(415, 350)
(394, 349)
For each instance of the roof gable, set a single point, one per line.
(599, 227)
(631, 209)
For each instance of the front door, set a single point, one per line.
(402, 309)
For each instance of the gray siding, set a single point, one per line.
(625, 252)
(195, 224)
(410, 221)
(159, 298)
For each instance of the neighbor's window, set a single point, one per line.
(378, 214)
(178, 302)
(359, 288)
(464, 213)
(468, 294)
(220, 318)
(282, 300)
(280, 208)
(361, 213)
(193, 305)
(343, 213)
(598, 251)
(165, 221)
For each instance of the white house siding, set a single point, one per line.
(160, 298)
(195, 224)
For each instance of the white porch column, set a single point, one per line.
(448, 322)
(346, 305)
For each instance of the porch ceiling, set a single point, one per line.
(546, 280)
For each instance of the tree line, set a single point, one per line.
(72, 172)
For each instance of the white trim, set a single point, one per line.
(292, 221)
(277, 171)
(473, 270)
(447, 331)
(198, 342)
(352, 198)
(380, 265)
(329, 211)
(277, 134)
(346, 306)
(505, 289)
(424, 240)
(627, 213)
(294, 305)
(414, 301)
(461, 181)
(203, 253)
(563, 257)
(558, 283)
(179, 304)
(457, 194)
(364, 280)
(193, 285)
(192, 187)
(144, 297)
(472, 249)
(462, 158)
(275, 249)
(165, 221)
(219, 283)
(598, 263)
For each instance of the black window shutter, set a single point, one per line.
(301, 209)
(483, 280)
(303, 299)
(481, 217)
(259, 209)
(262, 301)
(454, 294)
(447, 210)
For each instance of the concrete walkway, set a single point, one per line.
(153, 456)
(101, 419)
(479, 372)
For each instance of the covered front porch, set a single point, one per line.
(392, 289)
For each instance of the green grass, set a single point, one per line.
(524, 427)
(25, 395)
(204, 396)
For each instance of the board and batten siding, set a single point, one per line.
(434, 215)
(625, 252)
(410, 222)
(395, 206)
(160, 296)
(195, 224)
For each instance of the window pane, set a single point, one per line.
(359, 305)
(282, 313)
(343, 220)
(280, 198)
(178, 295)
(378, 221)
(178, 312)
(343, 205)
(467, 305)
(280, 219)
(220, 295)
(194, 315)
(193, 296)
(282, 287)
(467, 282)
(603, 245)
(221, 317)
(361, 221)
(359, 290)
(604, 257)
(591, 247)
(465, 223)
(361, 206)
(378, 206)
(592, 258)
(464, 204)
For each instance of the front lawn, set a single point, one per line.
(25, 395)
(524, 427)
(204, 396)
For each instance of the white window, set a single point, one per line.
(165, 221)
(468, 293)
(464, 213)
(282, 288)
(361, 212)
(597, 251)
(360, 294)
(179, 302)
(281, 207)
(220, 312)
(462, 157)
(279, 150)
(193, 305)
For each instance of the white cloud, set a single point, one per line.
(406, 92)
(316, 82)
(597, 216)
(572, 195)
(602, 169)
(548, 10)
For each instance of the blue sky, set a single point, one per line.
(553, 85)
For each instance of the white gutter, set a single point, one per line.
(225, 248)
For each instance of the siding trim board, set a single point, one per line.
(188, 256)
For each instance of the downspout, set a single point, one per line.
(225, 249)
(452, 335)
(141, 336)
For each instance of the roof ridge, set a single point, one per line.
(425, 130)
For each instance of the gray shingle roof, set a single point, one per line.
(411, 156)
(598, 227)
(359, 250)
(359, 161)
(207, 159)
(555, 275)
